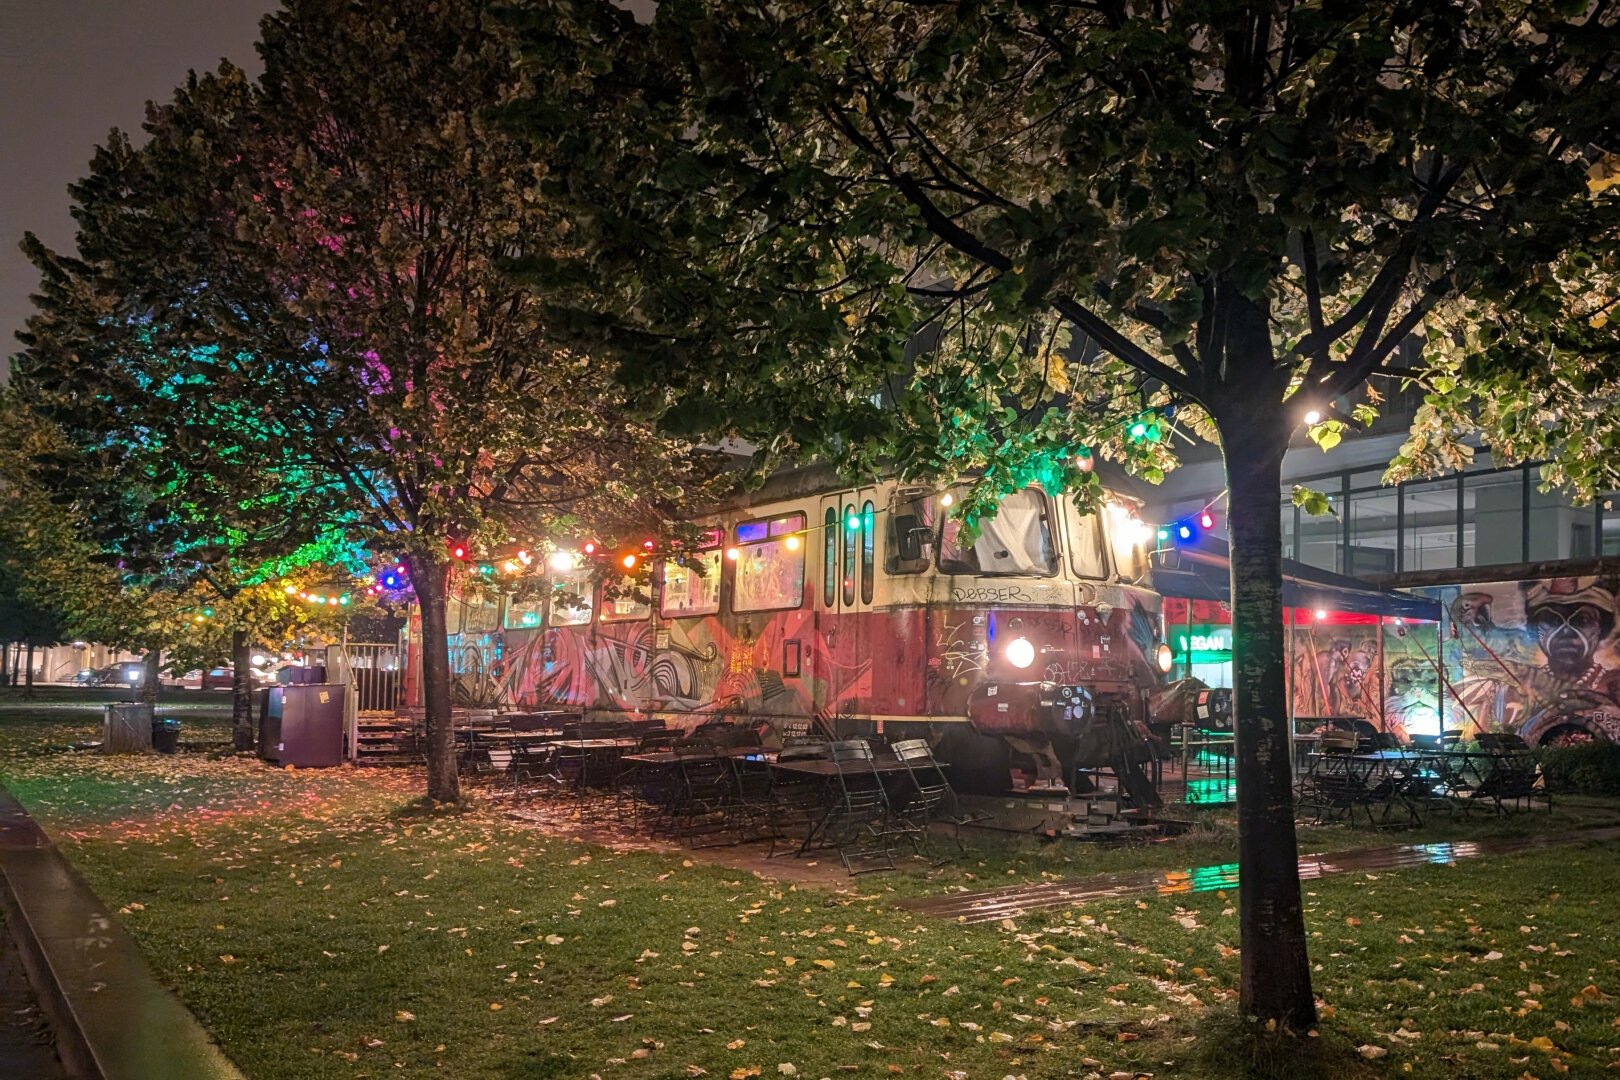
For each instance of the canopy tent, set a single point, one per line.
(1203, 573)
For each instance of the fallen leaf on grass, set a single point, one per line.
(1370, 1052)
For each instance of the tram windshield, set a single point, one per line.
(1018, 540)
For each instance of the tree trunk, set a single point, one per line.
(1276, 974)
(430, 580)
(149, 681)
(241, 691)
(28, 672)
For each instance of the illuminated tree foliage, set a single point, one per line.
(868, 227)
(314, 260)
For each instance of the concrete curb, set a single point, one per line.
(113, 1020)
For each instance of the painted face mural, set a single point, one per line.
(1537, 658)
(1569, 635)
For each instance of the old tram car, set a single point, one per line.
(860, 610)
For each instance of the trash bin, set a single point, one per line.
(127, 728)
(165, 734)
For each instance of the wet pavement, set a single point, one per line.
(994, 905)
(26, 1046)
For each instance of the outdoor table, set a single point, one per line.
(824, 767)
(524, 737)
(1372, 778)
(595, 754)
(675, 757)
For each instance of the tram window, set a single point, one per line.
(868, 550)
(476, 615)
(524, 614)
(851, 536)
(625, 600)
(911, 532)
(770, 571)
(1089, 561)
(692, 587)
(571, 596)
(1018, 540)
(829, 556)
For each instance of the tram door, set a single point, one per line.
(846, 589)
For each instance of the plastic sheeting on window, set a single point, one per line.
(1018, 540)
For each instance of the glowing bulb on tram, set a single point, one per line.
(1165, 657)
(1020, 653)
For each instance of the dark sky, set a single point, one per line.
(71, 70)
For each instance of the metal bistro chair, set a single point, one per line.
(535, 761)
(752, 787)
(703, 800)
(858, 822)
(925, 797)
(500, 765)
(1511, 775)
(799, 801)
(1330, 787)
(924, 763)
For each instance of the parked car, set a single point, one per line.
(223, 678)
(125, 674)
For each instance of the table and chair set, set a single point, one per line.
(1354, 770)
(864, 798)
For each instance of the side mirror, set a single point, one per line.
(908, 534)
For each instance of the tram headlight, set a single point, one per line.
(1165, 657)
(1020, 653)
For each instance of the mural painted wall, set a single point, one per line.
(912, 662)
(1538, 657)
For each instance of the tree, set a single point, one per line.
(323, 251)
(1242, 210)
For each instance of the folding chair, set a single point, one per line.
(858, 821)
(702, 799)
(925, 796)
(799, 801)
(534, 762)
(500, 764)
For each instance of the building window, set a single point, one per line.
(1318, 541)
(1430, 532)
(1370, 523)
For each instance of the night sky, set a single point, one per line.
(71, 70)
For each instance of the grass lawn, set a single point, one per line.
(321, 925)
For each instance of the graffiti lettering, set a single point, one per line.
(988, 594)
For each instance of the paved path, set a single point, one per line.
(111, 1017)
(26, 1048)
(993, 905)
